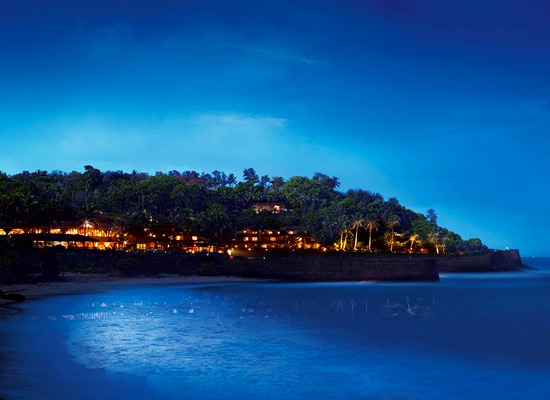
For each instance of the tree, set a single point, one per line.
(91, 178)
(231, 180)
(453, 242)
(212, 222)
(413, 238)
(391, 224)
(219, 178)
(331, 183)
(329, 224)
(432, 216)
(265, 180)
(250, 176)
(301, 193)
(371, 224)
(429, 232)
(343, 223)
(358, 222)
(188, 199)
(276, 183)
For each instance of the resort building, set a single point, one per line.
(274, 208)
(284, 238)
(101, 233)
(96, 234)
(166, 238)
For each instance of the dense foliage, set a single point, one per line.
(217, 205)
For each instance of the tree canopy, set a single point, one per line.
(217, 206)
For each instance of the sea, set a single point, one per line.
(470, 336)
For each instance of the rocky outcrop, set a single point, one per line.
(16, 297)
(506, 259)
(495, 261)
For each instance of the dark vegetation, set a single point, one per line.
(217, 205)
(31, 265)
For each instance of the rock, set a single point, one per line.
(12, 296)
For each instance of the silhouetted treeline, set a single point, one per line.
(217, 205)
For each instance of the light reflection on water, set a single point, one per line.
(469, 336)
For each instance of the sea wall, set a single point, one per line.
(496, 261)
(34, 264)
(291, 266)
(136, 263)
(320, 267)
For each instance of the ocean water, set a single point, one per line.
(470, 336)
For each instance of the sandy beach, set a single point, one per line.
(91, 283)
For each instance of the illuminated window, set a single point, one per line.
(291, 232)
(195, 238)
(254, 239)
(2, 232)
(141, 246)
(246, 239)
(273, 238)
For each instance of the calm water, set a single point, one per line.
(473, 336)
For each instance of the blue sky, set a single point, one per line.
(442, 104)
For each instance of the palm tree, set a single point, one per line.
(181, 217)
(371, 224)
(391, 224)
(358, 222)
(231, 180)
(444, 237)
(265, 180)
(342, 224)
(438, 238)
(329, 224)
(412, 239)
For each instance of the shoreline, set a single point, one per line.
(74, 283)
(294, 267)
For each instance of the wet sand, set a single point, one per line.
(92, 283)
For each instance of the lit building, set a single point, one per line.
(167, 238)
(284, 238)
(97, 234)
(274, 208)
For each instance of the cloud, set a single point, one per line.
(236, 141)
(281, 54)
(226, 141)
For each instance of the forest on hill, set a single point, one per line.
(218, 205)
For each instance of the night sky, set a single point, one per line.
(442, 104)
